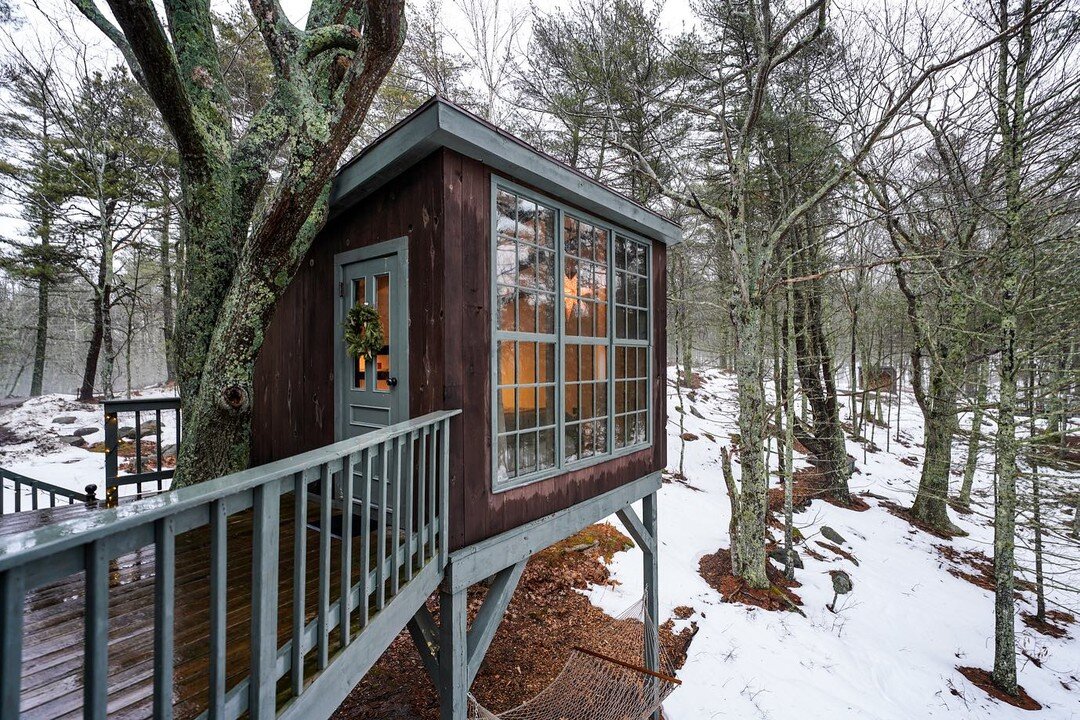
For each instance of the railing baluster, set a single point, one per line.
(264, 590)
(157, 427)
(444, 493)
(33, 496)
(380, 555)
(365, 537)
(395, 532)
(18, 496)
(433, 507)
(96, 632)
(138, 447)
(219, 524)
(12, 598)
(324, 566)
(408, 515)
(299, 590)
(346, 546)
(421, 492)
(112, 452)
(164, 596)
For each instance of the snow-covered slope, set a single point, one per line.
(30, 441)
(892, 648)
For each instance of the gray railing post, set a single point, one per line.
(12, 598)
(112, 456)
(444, 493)
(264, 590)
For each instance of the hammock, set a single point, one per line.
(608, 683)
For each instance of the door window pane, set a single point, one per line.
(382, 357)
(360, 367)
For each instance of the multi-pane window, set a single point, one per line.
(585, 307)
(631, 342)
(525, 307)
(571, 339)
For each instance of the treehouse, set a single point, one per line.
(510, 392)
(510, 287)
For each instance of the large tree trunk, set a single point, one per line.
(931, 500)
(748, 554)
(97, 334)
(817, 377)
(41, 338)
(167, 318)
(974, 438)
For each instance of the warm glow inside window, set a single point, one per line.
(571, 338)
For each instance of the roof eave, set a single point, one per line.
(443, 125)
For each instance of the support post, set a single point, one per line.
(453, 653)
(652, 592)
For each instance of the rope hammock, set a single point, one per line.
(608, 683)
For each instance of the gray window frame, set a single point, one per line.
(560, 339)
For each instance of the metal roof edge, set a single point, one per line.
(438, 123)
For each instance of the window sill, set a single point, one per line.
(519, 482)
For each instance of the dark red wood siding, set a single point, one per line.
(443, 205)
(294, 375)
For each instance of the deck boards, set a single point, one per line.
(52, 670)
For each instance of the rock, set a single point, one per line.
(73, 440)
(780, 556)
(150, 427)
(168, 451)
(64, 419)
(832, 536)
(841, 582)
(85, 431)
(125, 433)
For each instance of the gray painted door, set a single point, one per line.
(374, 393)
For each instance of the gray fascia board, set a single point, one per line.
(442, 125)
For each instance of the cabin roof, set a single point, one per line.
(440, 123)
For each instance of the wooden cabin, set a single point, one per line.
(514, 288)
(518, 397)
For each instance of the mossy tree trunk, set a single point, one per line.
(974, 436)
(817, 376)
(244, 236)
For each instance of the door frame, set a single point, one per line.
(400, 247)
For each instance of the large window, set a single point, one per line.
(571, 339)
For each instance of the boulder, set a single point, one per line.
(64, 419)
(73, 440)
(841, 582)
(168, 451)
(126, 433)
(150, 427)
(85, 431)
(780, 556)
(832, 536)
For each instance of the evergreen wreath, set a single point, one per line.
(363, 331)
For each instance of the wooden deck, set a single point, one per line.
(52, 668)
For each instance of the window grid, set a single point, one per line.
(603, 262)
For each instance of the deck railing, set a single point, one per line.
(38, 493)
(138, 409)
(398, 480)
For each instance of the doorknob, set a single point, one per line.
(392, 382)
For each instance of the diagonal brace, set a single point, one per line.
(425, 632)
(425, 635)
(633, 524)
(491, 613)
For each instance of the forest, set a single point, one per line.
(880, 204)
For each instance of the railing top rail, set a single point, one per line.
(41, 485)
(21, 548)
(167, 402)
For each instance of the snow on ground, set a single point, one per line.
(30, 440)
(889, 652)
(891, 649)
